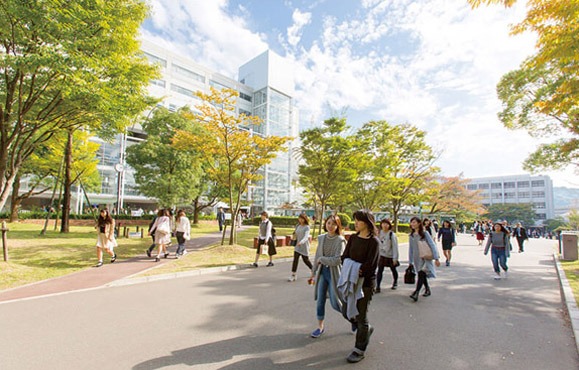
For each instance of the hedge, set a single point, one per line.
(39, 215)
(402, 228)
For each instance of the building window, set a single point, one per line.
(540, 205)
(510, 185)
(217, 85)
(540, 216)
(160, 83)
(156, 60)
(510, 195)
(538, 194)
(483, 186)
(243, 111)
(524, 194)
(244, 96)
(187, 73)
(497, 195)
(538, 183)
(183, 91)
(471, 187)
(496, 185)
(522, 184)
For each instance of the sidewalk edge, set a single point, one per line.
(569, 298)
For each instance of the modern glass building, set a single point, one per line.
(517, 189)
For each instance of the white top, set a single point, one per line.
(183, 225)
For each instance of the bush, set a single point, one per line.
(277, 221)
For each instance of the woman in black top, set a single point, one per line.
(363, 247)
(448, 240)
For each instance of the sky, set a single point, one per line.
(432, 63)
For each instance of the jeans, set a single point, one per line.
(499, 256)
(180, 241)
(324, 288)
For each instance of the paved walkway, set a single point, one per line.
(97, 277)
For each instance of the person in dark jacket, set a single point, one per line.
(447, 233)
(520, 233)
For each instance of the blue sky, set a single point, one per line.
(432, 63)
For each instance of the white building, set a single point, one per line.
(517, 189)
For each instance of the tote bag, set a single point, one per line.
(409, 275)
(424, 250)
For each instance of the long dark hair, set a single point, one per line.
(367, 217)
(420, 227)
(335, 219)
(102, 221)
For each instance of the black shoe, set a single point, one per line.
(427, 293)
(394, 286)
(254, 264)
(148, 253)
(166, 255)
(354, 357)
(377, 290)
(270, 264)
(157, 259)
(414, 295)
(99, 264)
(114, 258)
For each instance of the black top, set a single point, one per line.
(366, 252)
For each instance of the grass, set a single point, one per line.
(572, 272)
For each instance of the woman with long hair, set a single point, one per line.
(448, 235)
(362, 251)
(388, 254)
(302, 247)
(422, 265)
(162, 230)
(501, 249)
(182, 232)
(429, 227)
(106, 236)
(327, 268)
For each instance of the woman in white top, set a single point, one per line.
(162, 230)
(182, 232)
(302, 247)
(388, 253)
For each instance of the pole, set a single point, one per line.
(4, 241)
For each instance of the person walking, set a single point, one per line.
(429, 228)
(182, 232)
(162, 230)
(520, 233)
(106, 237)
(302, 247)
(388, 254)
(152, 234)
(479, 230)
(221, 218)
(448, 236)
(422, 264)
(362, 251)
(265, 239)
(327, 266)
(499, 244)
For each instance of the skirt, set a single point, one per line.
(104, 242)
(480, 236)
(162, 238)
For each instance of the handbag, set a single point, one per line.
(409, 275)
(424, 250)
(164, 228)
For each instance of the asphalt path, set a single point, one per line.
(254, 319)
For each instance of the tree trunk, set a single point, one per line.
(64, 224)
(196, 211)
(15, 200)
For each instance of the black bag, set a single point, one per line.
(293, 242)
(409, 275)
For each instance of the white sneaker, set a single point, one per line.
(506, 274)
(184, 252)
(292, 278)
(498, 276)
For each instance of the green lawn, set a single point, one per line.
(572, 272)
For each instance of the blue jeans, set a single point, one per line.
(323, 289)
(499, 256)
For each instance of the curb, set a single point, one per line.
(203, 271)
(569, 299)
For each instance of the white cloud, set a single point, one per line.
(294, 32)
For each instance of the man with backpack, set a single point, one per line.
(265, 239)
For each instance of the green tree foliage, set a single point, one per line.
(574, 219)
(234, 155)
(523, 213)
(554, 223)
(163, 171)
(398, 166)
(542, 96)
(326, 171)
(65, 65)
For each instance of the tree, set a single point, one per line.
(325, 156)
(450, 195)
(512, 212)
(163, 171)
(234, 154)
(554, 223)
(67, 65)
(574, 219)
(542, 95)
(210, 193)
(403, 164)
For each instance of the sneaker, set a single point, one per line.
(184, 252)
(447, 263)
(270, 264)
(317, 333)
(506, 274)
(497, 276)
(292, 278)
(355, 357)
(254, 264)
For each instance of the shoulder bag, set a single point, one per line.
(424, 250)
